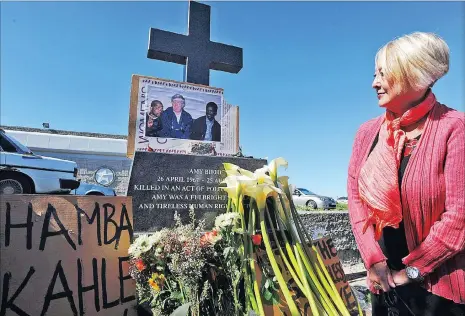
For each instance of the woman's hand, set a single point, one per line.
(400, 277)
(380, 278)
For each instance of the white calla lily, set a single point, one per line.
(231, 169)
(235, 186)
(247, 173)
(230, 166)
(274, 165)
(262, 176)
(260, 192)
(284, 182)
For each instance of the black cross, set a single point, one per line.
(195, 50)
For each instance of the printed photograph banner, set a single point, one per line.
(181, 118)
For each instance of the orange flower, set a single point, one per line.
(140, 265)
(157, 281)
(154, 285)
(208, 238)
(256, 239)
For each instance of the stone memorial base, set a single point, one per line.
(162, 184)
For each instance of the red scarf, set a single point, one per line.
(379, 179)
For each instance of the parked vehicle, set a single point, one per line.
(93, 189)
(343, 200)
(23, 172)
(304, 197)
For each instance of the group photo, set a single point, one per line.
(174, 113)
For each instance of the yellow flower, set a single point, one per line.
(284, 181)
(157, 281)
(274, 165)
(154, 285)
(231, 169)
(262, 177)
(261, 192)
(247, 173)
(235, 186)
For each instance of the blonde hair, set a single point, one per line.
(414, 61)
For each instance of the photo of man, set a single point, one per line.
(191, 116)
(153, 121)
(206, 127)
(176, 121)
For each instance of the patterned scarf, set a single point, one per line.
(379, 178)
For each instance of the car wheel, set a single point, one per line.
(312, 204)
(14, 184)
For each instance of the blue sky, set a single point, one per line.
(304, 90)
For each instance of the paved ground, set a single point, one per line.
(362, 293)
(353, 268)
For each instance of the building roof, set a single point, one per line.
(60, 132)
(40, 140)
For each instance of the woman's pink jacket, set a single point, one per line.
(433, 199)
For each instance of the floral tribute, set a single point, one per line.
(186, 270)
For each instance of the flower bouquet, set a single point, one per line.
(186, 271)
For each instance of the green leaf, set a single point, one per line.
(267, 295)
(227, 251)
(273, 286)
(275, 298)
(176, 295)
(182, 310)
(154, 300)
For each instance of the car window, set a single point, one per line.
(306, 192)
(6, 145)
(20, 147)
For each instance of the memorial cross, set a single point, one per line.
(195, 50)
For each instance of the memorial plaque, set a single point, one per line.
(162, 184)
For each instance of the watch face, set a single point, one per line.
(412, 273)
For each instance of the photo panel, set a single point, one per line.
(181, 118)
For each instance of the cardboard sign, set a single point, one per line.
(331, 260)
(65, 255)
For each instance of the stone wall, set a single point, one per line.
(89, 164)
(336, 225)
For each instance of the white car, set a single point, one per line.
(93, 189)
(304, 197)
(23, 172)
(343, 200)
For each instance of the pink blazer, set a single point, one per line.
(433, 199)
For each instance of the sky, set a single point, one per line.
(303, 92)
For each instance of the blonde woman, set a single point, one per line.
(406, 185)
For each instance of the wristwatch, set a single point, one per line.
(413, 274)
